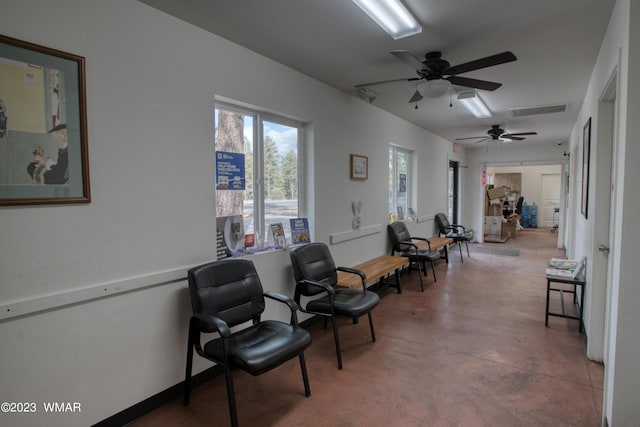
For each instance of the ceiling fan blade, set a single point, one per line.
(417, 96)
(489, 61)
(513, 138)
(470, 137)
(474, 83)
(506, 135)
(387, 81)
(409, 59)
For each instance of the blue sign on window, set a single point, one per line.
(229, 171)
(402, 183)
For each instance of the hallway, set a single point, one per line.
(472, 350)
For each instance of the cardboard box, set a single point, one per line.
(498, 192)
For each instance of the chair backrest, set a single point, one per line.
(519, 205)
(398, 232)
(229, 288)
(443, 223)
(313, 261)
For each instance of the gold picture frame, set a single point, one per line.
(43, 125)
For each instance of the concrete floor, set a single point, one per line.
(472, 350)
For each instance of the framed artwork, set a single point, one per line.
(586, 156)
(43, 126)
(359, 167)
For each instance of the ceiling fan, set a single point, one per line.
(495, 133)
(434, 68)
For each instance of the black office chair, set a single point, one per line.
(402, 242)
(316, 274)
(519, 205)
(228, 293)
(456, 232)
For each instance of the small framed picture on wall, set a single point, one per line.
(359, 169)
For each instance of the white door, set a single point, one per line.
(550, 200)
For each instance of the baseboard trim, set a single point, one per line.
(140, 409)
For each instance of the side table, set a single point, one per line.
(579, 280)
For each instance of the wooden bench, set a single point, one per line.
(437, 243)
(375, 270)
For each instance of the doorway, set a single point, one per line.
(550, 189)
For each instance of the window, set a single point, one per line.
(271, 163)
(452, 210)
(399, 182)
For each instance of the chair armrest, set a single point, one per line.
(286, 300)
(324, 286)
(360, 273)
(423, 239)
(283, 299)
(403, 243)
(464, 230)
(215, 323)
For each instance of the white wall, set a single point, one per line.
(620, 52)
(151, 83)
(611, 317)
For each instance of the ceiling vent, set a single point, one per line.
(544, 109)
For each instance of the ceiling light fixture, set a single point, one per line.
(434, 88)
(366, 95)
(472, 102)
(392, 16)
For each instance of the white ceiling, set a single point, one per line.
(556, 43)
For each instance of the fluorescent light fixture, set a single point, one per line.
(392, 16)
(472, 102)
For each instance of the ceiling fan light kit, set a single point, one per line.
(391, 16)
(434, 88)
(472, 102)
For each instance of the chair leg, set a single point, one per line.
(337, 340)
(187, 376)
(193, 334)
(305, 378)
(373, 333)
(231, 396)
(467, 244)
(419, 275)
(460, 248)
(433, 268)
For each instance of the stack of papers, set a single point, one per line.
(564, 264)
(563, 267)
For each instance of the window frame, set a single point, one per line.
(260, 227)
(394, 148)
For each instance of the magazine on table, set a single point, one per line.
(564, 264)
(564, 267)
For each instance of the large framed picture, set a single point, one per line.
(586, 156)
(359, 167)
(43, 126)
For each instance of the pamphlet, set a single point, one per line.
(277, 231)
(299, 231)
(229, 235)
